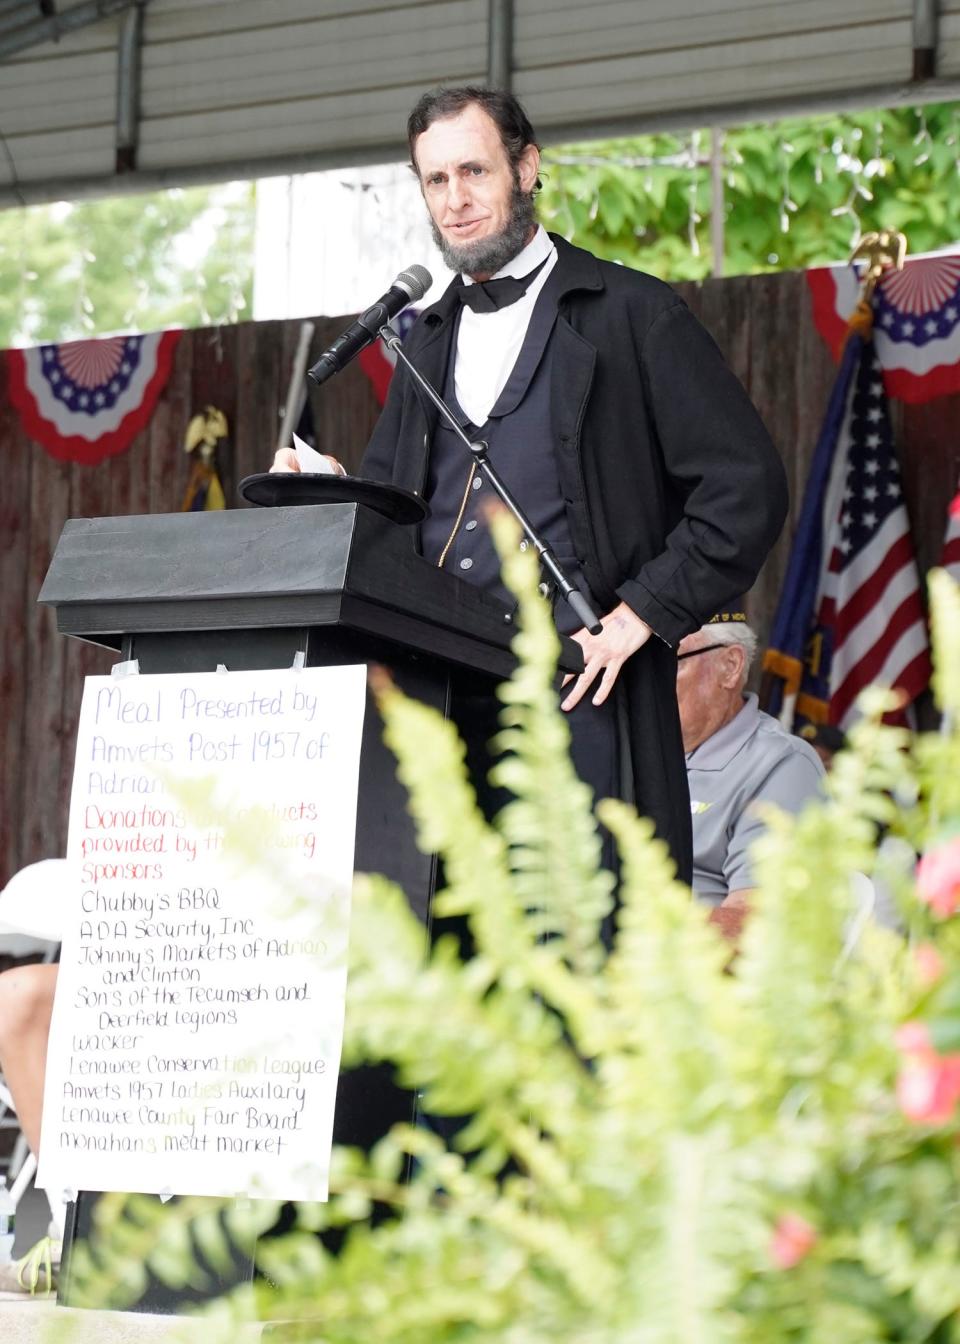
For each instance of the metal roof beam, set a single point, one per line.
(499, 43)
(925, 14)
(36, 31)
(8, 6)
(129, 54)
(906, 94)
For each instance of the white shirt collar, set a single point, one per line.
(537, 250)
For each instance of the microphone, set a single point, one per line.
(409, 286)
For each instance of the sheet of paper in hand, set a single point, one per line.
(199, 1012)
(309, 460)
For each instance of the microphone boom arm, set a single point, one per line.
(577, 601)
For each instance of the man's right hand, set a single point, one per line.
(285, 459)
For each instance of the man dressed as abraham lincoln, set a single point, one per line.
(612, 417)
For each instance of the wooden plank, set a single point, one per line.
(748, 326)
(125, 471)
(135, 497)
(15, 782)
(929, 443)
(214, 383)
(252, 442)
(45, 745)
(345, 409)
(166, 433)
(89, 498)
(268, 389)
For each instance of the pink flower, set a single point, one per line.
(929, 1089)
(793, 1238)
(938, 878)
(928, 1085)
(913, 1038)
(928, 964)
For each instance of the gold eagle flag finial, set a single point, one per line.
(881, 252)
(204, 432)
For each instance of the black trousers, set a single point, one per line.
(594, 742)
(597, 749)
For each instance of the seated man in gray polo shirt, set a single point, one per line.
(737, 757)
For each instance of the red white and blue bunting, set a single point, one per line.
(87, 400)
(916, 322)
(378, 361)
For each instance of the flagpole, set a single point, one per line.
(796, 665)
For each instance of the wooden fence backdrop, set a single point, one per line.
(762, 323)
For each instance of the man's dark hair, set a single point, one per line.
(501, 107)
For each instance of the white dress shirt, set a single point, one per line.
(488, 343)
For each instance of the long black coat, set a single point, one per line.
(673, 489)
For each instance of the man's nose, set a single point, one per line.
(458, 194)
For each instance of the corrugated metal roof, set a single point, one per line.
(230, 88)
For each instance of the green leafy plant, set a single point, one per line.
(658, 1148)
(796, 193)
(182, 257)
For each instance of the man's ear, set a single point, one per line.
(528, 167)
(734, 661)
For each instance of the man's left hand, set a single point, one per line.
(622, 634)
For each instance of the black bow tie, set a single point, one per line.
(486, 296)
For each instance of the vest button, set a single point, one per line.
(477, 482)
(471, 525)
(466, 564)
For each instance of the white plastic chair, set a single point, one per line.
(31, 904)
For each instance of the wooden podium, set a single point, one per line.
(251, 589)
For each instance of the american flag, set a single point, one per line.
(851, 613)
(950, 557)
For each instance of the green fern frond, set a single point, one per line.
(459, 1034)
(672, 1010)
(707, 1226)
(945, 641)
(554, 843)
(449, 823)
(136, 1235)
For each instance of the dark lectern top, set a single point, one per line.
(337, 565)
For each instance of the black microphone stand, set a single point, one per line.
(479, 450)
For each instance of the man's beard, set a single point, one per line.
(486, 256)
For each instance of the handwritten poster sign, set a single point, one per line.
(199, 1012)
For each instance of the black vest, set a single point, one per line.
(520, 435)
